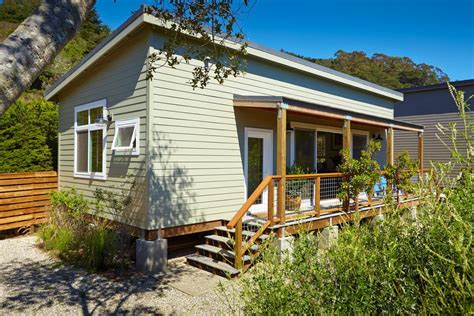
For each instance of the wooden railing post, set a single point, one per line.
(317, 197)
(271, 199)
(238, 245)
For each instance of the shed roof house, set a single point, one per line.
(429, 106)
(198, 155)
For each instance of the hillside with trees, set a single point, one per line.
(28, 129)
(388, 71)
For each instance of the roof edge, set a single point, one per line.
(438, 86)
(259, 51)
(57, 86)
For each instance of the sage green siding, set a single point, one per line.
(196, 147)
(120, 79)
(190, 167)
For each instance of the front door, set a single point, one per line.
(258, 163)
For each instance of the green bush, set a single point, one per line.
(399, 266)
(29, 136)
(87, 241)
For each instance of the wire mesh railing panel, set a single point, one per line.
(299, 195)
(330, 187)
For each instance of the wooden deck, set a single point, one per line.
(320, 208)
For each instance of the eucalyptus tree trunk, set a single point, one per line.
(34, 44)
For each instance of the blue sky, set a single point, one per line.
(436, 32)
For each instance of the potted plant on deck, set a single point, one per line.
(295, 188)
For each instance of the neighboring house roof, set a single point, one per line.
(439, 86)
(296, 105)
(432, 99)
(139, 18)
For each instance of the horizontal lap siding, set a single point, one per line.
(121, 80)
(196, 148)
(434, 149)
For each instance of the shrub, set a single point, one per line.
(82, 239)
(399, 266)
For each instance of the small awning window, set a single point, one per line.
(126, 134)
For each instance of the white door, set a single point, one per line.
(258, 163)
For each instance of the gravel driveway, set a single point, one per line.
(31, 282)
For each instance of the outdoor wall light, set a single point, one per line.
(105, 118)
(377, 137)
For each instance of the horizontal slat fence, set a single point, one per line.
(24, 198)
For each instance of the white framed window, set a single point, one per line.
(90, 140)
(127, 135)
(360, 141)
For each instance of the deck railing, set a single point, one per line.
(306, 196)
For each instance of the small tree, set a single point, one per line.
(359, 174)
(399, 175)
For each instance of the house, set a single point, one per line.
(197, 155)
(429, 106)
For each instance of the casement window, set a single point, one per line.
(90, 141)
(127, 134)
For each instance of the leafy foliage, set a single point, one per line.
(92, 31)
(360, 174)
(16, 11)
(388, 71)
(211, 24)
(28, 136)
(296, 187)
(89, 241)
(400, 173)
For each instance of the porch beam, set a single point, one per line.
(281, 161)
(390, 134)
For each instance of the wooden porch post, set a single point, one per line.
(281, 162)
(420, 155)
(390, 133)
(346, 145)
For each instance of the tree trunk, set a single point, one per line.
(34, 44)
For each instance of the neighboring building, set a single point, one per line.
(429, 106)
(197, 154)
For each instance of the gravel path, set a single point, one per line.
(31, 282)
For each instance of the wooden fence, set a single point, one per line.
(24, 198)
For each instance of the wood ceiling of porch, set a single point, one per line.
(316, 110)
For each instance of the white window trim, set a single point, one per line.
(91, 127)
(136, 136)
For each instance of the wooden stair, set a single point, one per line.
(217, 254)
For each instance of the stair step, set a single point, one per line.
(227, 242)
(223, 253)
(212, 265)
(224, 231)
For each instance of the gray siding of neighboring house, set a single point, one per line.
(196, 143)
(430, 101)
(434, 149)
(119, 78)
(429, 106)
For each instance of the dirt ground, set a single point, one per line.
(31, 282)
